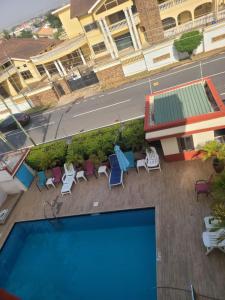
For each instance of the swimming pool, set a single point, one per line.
(104, 256)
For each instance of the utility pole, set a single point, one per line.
(18, 123)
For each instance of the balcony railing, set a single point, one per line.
(123, 23)
(169, 4)
(58, 51)
(8, 71)
(203, 21)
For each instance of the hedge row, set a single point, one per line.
(96, 145)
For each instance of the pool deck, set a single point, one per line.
(181, 258)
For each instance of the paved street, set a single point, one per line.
(124, 103)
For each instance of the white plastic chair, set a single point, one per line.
(152, 160)
(214, 240)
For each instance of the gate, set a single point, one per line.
(85, 80)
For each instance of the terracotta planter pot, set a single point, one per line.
(218, 165)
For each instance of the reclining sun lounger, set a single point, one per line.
(116, 174)
(214, 240)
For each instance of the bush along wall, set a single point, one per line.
(47, 156)
(96, 145)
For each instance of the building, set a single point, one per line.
(108, 40)
(17, 71)
(46, 32)
(183, 118)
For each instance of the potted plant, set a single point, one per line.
(216, 151)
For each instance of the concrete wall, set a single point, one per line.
(201, 138)
(214, 37)
(161, 55)
(170, 146)
(3, 197)
(13, 186)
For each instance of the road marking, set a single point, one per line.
(128, 87)
(172, 73)
(216, 74)
(208, 62)
(104, 107)
(30, 129)
(77, 102)
(101, 96)
(222, 94)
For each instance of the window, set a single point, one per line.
(7, 65)
(90, 27)
(24, 65)
(40, 69)
(114, 18)
(98, 48)
(185, 143)
(219, 135)
(26, 75)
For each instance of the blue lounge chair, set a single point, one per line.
(116, 174)
(41, 183)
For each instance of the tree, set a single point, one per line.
(6, 34)
(188, 42)
(58, 33)
(26, 34)
(54, 21)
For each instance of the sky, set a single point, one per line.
(13, 12)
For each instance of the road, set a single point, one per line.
(121, 104)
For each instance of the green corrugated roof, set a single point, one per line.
(180, 104)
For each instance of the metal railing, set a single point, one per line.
(200, 22)
(169, 4)
(123, 23)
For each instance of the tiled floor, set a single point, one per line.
(181, 258)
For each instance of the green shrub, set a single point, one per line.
(99, 144)
(96, 145)
(47, 156)
(188, 42)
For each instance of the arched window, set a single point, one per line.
(203, 10)
(168, 23)
(184, 17)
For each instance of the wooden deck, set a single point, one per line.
(181, 258)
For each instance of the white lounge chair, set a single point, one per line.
(68, 181)
(211, 223)
(152, 160)
(69, 170)
(214, 240)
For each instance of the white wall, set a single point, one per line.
(170, 146)
(201, 138)
(13, 186)
(3, 197)
(212, 32)
(134, 68)
(156, 52)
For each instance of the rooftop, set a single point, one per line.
(181, 103)
(80, 7)
(181, 258)
(23, 48)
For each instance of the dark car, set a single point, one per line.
(10, 124)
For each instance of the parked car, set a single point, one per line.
(10, 124)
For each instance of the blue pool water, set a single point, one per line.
(107, 256)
